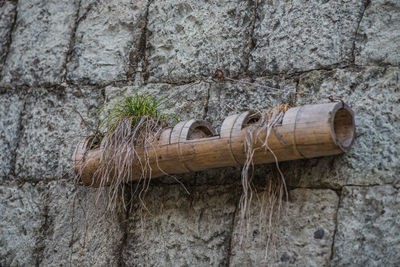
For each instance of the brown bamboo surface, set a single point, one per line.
(307, 131)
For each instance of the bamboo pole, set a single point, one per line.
(307, 131)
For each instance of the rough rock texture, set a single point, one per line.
(40, 42)
(84, 231)
(185, 102)
(107, 37)
(378, 37)
(295, 36)
(51, 126)
(10, 109)
(181, 229)
(368, 231)
(59, 56)
(41, 226)
(190, 39)
(7, 15)
(374, 95)
(20, 223)
(305, 232)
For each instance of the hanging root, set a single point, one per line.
(270, 207)
(270, 201)
(120, 153)
(131, 125)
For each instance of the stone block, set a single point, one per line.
(304, 35)
(7, 14)
(368, 232)
(183, 102)
(191, 39)
(178, 229)
(56, 223)
(107, 41)
(79, 231)
(378, 37)
(374, 95)
(10, 111)
(40, 42)
(20, 222)
(51, 129)
(302, 236)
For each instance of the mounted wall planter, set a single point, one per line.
(307, 131)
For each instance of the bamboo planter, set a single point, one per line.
(307, 131)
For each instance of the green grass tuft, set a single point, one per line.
(133, 123)
(134, 109)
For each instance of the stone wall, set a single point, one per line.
(59, 58)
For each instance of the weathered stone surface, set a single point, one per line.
(190, 39)
(107, 38)
(81, 233)
(304, 35)
(374, 95)
(178, 42)
(10, 110)
(20, 222)
(51, 129)
(368, 231)
(41, 225)
(233, 97)
(40, 42)
(304, 232)
(378, 37)
(7, 14)
(181, 229)
(184, 102)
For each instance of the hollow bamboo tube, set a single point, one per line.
(305, 132)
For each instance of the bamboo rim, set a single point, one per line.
(343, 127)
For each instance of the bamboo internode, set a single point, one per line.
(307, 131)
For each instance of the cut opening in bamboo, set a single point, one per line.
(344, 128)
(307, 131)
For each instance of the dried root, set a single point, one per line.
(129, 126)
(270, 199)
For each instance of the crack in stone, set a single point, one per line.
(158, 182)
(229, 245)
(353, 57)
(121, 83)
(138, 57)
(252, 39)
(71, 46)
(296, 94)
(9, 39)
(184, 82)
(336, 224)
(32, 181)
(206, 106)
(19, 134)
(40, 244)
(125, 229)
